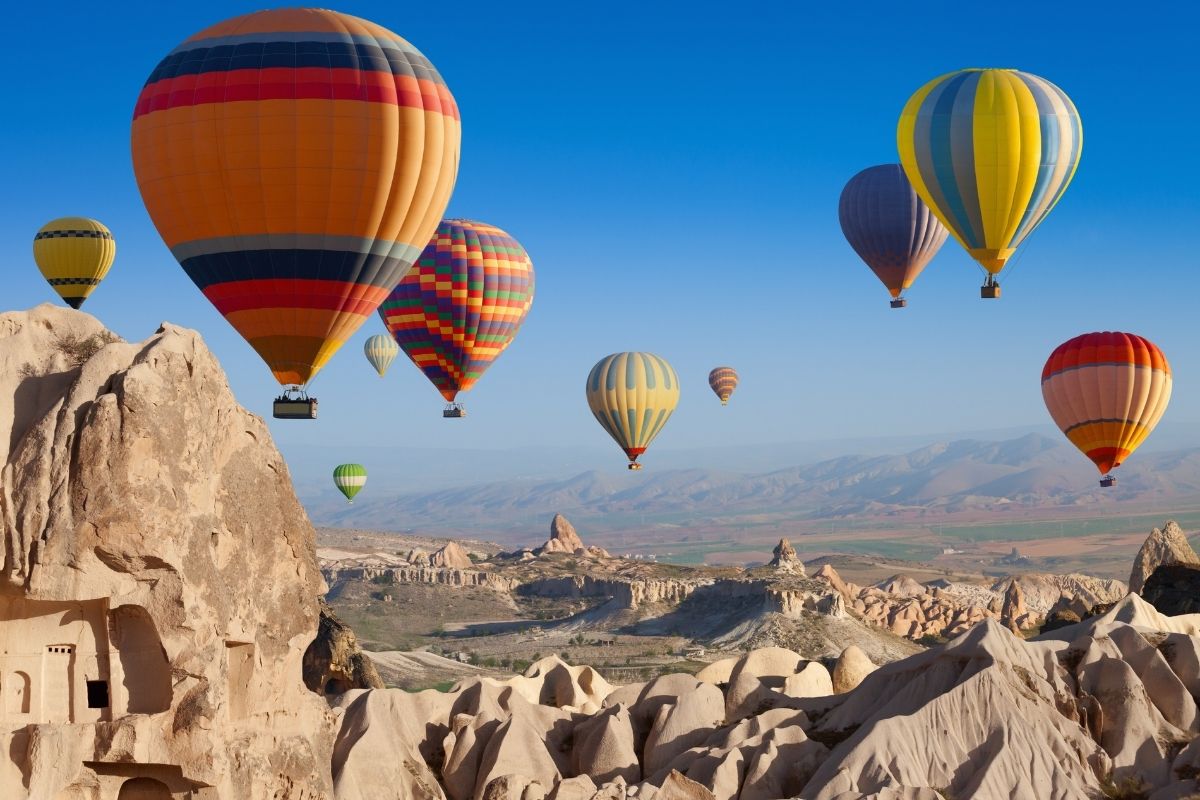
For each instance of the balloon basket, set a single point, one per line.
(899, 302)
(633, 465)
(294, 405)
(1107, 481)
(990, 290)
(454, 411)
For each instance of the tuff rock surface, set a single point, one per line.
(450, 556)
(1168, 545)
(784, 558)
(158, 580)
(1174, 589)
(1104, 706)
(564, 539)
(334, 662)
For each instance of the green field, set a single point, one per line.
(1057, 529)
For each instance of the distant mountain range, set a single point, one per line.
(1031, 471)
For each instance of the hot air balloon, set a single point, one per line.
(295, 161)
(461, 305)
(990, 151)
(723, 380)
(349, 479)
(381, 351)
(889, 227)
(74, 254)
(632, 396)
(1107, 391)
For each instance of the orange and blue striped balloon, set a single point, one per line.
(295, 161)
(462, 304)
(723, 380)
(1107, 391)
(991, 151)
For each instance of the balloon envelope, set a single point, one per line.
(349, 479)
(381, 351)
(74, 254)
(1106, 392)
(889, 226)
(295, 161)
(990, 151)
(632, 396)
(723, 380)
(462, 304)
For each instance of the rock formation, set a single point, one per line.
(784, 558)
(159, 581)
(334, 663)
(851, 668)
(421, 574)
(1043, 592)
(1106, 706)
(1013, 614)
(1166, 546)
(1174, 589)
(450, 556)
(563, 538)
(944, 609)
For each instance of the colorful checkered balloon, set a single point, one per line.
(461, 304)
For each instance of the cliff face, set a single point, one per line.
(159, 581)
(626, 593)
(422, 574)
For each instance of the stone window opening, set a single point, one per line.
(97, 694)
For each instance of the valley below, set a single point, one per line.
(468, 606)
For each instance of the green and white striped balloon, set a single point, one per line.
(350, 479)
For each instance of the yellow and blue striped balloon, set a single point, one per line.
(632, 396)
(350, 479)
(990, 151)
(381, 351)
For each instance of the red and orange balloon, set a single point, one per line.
(295, 161)
(1107, 391)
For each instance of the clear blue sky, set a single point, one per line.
(673, 169)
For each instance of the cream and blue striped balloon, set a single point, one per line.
(991, 151)
(350, 479)
(632, 396)
(381, 351)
